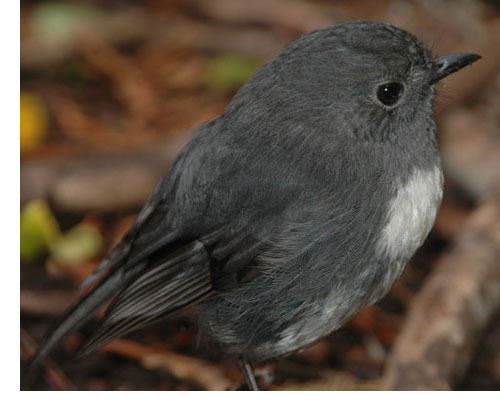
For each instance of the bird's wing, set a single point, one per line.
(185, 244)
(172, 284)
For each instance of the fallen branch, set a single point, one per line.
(50, 303)
(452, 310)
(105, 182)
(200, 372)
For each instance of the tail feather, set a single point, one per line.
(139, 295)
(81, 312)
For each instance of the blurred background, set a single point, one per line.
(110, 92)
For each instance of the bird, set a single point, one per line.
(292, 210)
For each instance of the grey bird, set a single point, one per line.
(291, 211)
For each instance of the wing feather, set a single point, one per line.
(162, 290)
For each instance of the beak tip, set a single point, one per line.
(446, 65)
(474, 57)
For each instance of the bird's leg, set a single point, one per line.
(247, 368)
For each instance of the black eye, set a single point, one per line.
(389, 93)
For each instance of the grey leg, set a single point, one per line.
(247, 368)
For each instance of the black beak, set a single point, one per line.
(446, 65)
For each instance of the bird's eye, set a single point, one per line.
(389, 93)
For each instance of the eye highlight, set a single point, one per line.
(389, 93)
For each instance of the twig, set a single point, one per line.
(54, 375)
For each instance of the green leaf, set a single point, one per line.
(79, 245)
(230, 71)
(59, 22)
(38, 230)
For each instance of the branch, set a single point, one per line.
(452, 310)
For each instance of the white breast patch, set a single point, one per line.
(412, 213)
